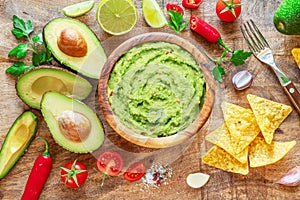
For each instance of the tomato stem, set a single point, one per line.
(104, 177)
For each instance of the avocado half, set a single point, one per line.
(89, 64)
(18, 138)
(32, 85)
(53, 107)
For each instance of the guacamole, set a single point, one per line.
(156, 89)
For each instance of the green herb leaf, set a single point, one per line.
(26, 28)
(182, 27)
(18, 33)
(218, 73)
(38, 39)
(176, 21)
(239, 56)
(18, 68)
(19, 51)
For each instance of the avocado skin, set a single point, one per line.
(7, 170)
(287, 17)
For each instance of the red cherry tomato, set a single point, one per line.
(110, 163)
(174, 7)
(228, 11)
(135, 172)
(74, 174)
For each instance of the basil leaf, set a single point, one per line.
(38, 39)
(218, 73)
(239, 56)
(19, 51)
(182, 27)
(173, 19)
(18, 68)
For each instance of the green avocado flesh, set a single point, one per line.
(17, 140)
(287, 17)
(156, 89)
(54, 106)
(32, 85)
(90, 64)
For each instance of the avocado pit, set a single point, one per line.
(75, 126)
(72, 43)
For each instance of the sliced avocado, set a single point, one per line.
(17, 140)
(74, 45)
(32, 85)
(73, 125)
(287, 17)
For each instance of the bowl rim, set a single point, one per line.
(148, 141)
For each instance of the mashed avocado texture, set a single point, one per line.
(156, 89)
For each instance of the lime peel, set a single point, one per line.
(153, 14)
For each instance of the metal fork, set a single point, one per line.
(262, 51)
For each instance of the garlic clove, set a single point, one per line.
(242, 80)
(291, 178)
(197, 180)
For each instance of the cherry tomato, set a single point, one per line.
(110, 163)
(174, 7)
(74, 174)
(135, 172)
(228, 11)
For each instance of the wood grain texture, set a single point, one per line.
(184, 158)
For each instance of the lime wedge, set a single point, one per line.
(78, 9)
(117, 17)
(153, 14)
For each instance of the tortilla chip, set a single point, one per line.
(261, 153)
(219, 158)
(296, 54)
(221, 138)
(241, 124)
(269, 115)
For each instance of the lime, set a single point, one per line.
(153, 14)
(117, 17)
(78, 9)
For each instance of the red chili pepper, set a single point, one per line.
(38, 175)
(191, 3)
(207, 31)
(174, 7)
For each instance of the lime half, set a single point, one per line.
(117, 17)
(153, 14)
(78, 9)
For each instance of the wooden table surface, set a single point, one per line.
(183, 159)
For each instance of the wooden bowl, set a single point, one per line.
(146, 141)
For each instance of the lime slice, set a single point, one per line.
(117, 17)
(78, 9)
(153, 14)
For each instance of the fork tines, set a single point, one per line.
(253, 36)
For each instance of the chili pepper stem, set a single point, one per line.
(46, 152)
(220, 42)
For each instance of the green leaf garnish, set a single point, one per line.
(239, 56)
(19, 51)
(38, 39)
(176, 22)
(218, 73)
(18, 68)
(25, 28)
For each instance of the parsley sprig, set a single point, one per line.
(35, 44)
(176, 22)
(238, 57)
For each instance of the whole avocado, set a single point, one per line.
(287, 17)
